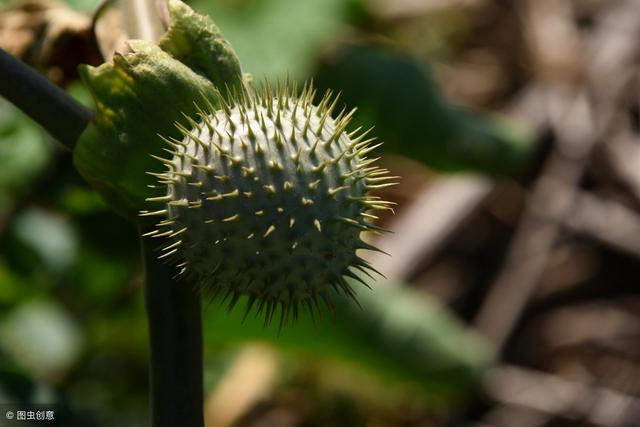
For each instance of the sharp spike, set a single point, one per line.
(270, 230)
(154, 213)
(232, 218)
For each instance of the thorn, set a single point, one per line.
(364, 151)
(158, 199)
(164, 234)
(273, 164)
(319, 168)
(360, 137)
(313, 185)
(192, 122)
(296, 156)
(369, 267)
(321, 109)
(316, 223)
(162, 160)
(179, 203)
(188, 134)
(270, 230)
(379, 186)
(172, 142)
(153, 213)
(168, 253)
(232, 218)
(231, 194)
(334, 191)
(357, 278)
(369, 247)
(381, 179)
(312, 150)
(173, 245)
(177, 233)
(364, 214)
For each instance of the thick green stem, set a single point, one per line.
(48, 105)
(175, 332)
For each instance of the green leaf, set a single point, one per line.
(410, 115)
(398, 334)
(140, 97)
(197, 42)
(274, 38)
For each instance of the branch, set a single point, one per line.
(48, 105)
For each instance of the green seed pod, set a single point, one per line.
(267, 197)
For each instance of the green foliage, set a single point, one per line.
(397, 335)
(24, 154)
(140, 97)
(42, 337)
(274, 38)
(393, 93)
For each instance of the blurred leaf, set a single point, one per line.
(83, 5)
(23, 154)
(41, 337)
(99, 280)
(396, 95)
(398, 334)
(80, 93)
(10, 284)
(81, 201)
(274, 38)
(49, 235)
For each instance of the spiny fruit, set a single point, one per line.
(267, 197)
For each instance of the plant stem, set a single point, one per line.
(48, 105)
(175, 332)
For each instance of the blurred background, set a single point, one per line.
(511, 297)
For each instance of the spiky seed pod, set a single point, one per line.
(267, 197)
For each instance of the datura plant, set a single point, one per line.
(238, 191)
(257, 192)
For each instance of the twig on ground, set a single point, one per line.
(424, 227)
(580, 118)
(555, 395)
(607, 221)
